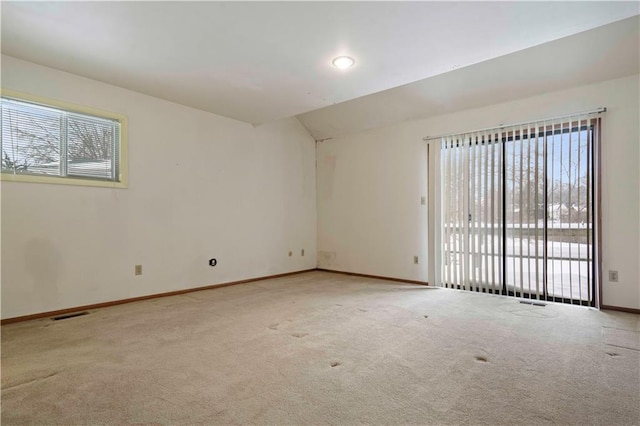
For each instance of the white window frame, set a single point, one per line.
(122, 148)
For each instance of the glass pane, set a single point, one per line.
(30, 139)
(569, 220)
(90, 147)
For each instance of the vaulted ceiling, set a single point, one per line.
(603, 53)
(262, 61)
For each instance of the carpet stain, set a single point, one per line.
(30, 381)
(426, 316)
(274, 326)
(299, 334)
(613, 354)
(337, 304)
(335, 364)
(621, 338)
(481, 359)
(362, 310)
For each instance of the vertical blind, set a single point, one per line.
(518, 210)
(42, 140)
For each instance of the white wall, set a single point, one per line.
(200, 186)
(369, 186)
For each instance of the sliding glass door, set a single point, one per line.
(518, 210)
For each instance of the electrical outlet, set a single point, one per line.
(138, 270)
(415, 259)
(302, 252)
(613, 276)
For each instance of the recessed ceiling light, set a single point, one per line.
(343, 62)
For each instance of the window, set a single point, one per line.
(518, 210)
(52, 142)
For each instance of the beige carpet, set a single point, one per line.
(323, 348)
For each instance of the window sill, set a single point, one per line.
(56, 180)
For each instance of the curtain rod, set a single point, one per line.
(502, 126)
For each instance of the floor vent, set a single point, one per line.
(67, 316)
(529, 302)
